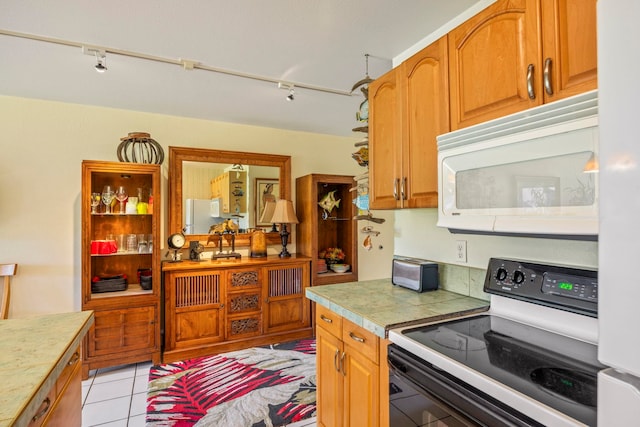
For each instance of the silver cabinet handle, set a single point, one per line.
(74, 359)
(395, 188)
(355, 337)
(547, 76)
(403, 188)
(344, 369)
(335, 360)
(47, 404)
(326, 319)
(530, 90)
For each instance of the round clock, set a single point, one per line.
(176, 241)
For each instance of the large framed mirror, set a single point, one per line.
(208, 186)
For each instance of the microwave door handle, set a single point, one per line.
(530, 90)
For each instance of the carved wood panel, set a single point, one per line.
(245, 278)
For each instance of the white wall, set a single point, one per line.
(416, 235)
(41, 149)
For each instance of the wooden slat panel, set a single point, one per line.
(197, 290)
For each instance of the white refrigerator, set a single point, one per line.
(619, 238)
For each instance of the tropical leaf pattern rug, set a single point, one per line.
(257, 387)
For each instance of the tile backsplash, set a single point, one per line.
(463, 280)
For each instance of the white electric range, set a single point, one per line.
(531, 360)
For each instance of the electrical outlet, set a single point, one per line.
(461, 250)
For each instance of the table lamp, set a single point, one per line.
(284, 214)
(267, 214)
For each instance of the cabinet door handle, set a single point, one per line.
(326, 319)
(47, 404)
(547, 76)
(530, 90)
(335, 360)
(395, 188)
(403, 187)
(356, 338)
(74, 359)
(344, 369)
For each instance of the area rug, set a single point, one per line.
(256, 387)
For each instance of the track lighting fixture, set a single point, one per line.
(101, 66)
(289, 87)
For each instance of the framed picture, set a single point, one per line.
(267, 189)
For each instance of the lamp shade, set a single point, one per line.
(284, 213)
(267, 213)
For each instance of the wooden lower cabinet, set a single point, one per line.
(122, 335)
(218, 306)
(352, 383)
(63, 404)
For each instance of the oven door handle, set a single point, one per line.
(472, 404)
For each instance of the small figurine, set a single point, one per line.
(328, 202)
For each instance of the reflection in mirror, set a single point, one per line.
(215, 192)
(207, 187)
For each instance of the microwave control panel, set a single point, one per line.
(563, 287)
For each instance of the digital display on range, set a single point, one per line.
(583, 288)
(565, 285)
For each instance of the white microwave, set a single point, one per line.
(529, 173)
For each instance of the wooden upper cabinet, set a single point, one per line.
(489, 59)
(425, 80)
(517, 54)
(569, 44)
(385, 132)
(409, 107)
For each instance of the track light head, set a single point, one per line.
(290, 96)
(101, 66)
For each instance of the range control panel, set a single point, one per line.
(568, 288)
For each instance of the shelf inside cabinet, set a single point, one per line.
(132, 289)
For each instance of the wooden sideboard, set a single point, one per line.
(224, 305)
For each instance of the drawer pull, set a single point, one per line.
(530, 90)
(47, 404)
(355, 337)
(547, 76)
(74, 359)
(326, 319)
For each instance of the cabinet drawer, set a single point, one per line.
(329, 321)
(244, 327)
(67, 371)
(358, 338)
(243, 279)
(243, 302)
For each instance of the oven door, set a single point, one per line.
(466, 404)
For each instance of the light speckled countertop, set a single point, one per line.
(378, 306)
(33, 353)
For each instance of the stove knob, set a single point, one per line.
(518, 277)
(501, 274)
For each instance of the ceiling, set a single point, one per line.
(311, 42)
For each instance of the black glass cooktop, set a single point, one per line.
(558, 371)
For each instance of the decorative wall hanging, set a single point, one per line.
(139, 147)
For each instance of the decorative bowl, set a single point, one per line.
(340, 268)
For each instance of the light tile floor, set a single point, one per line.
(117, 397)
